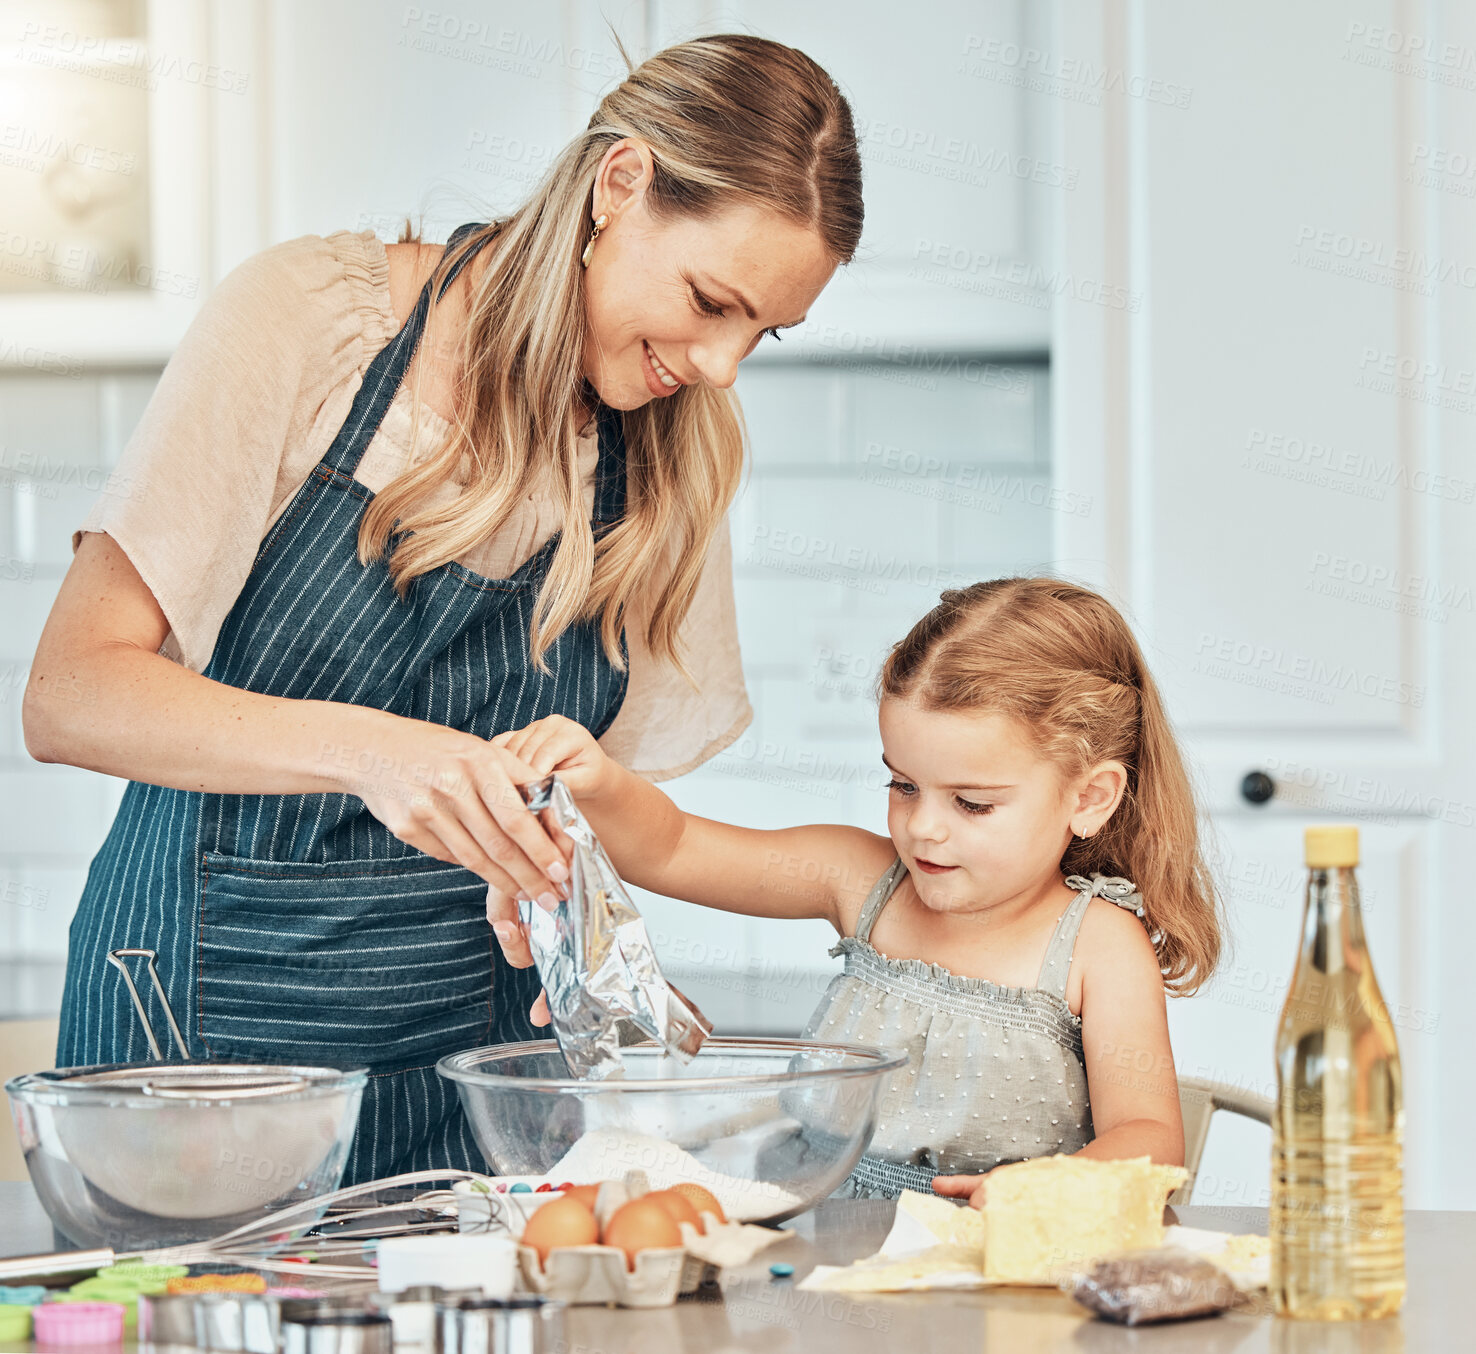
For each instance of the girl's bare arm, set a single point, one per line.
(1129, 1064)
(821, 870)
(1125, 1041)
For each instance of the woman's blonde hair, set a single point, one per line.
(728, 118)
(1061, 660)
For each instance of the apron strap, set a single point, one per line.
(609, 504)
(388, 368)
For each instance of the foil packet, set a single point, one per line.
(595, 956)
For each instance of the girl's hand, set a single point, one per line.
(559, 744)
(551, 744)
(970, 1187)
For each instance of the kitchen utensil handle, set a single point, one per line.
(63, 1262)
(116, 958)
(194, 1090)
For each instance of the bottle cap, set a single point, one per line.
(1330, 846)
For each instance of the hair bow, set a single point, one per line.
(1115, 889)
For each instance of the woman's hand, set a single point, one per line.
(551, 744)
(970, 1187)
(455, 797)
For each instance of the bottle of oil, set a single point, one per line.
(1337, 1211)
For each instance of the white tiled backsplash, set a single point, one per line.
(871, 489)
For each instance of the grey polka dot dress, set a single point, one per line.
(996, 1073)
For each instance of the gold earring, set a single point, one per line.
(601, 221)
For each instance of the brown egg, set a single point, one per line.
(678, 1205)
(560, 1222)
(702, 1200)
(585, 1194)
(641, 1225)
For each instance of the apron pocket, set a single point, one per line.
(382, 963)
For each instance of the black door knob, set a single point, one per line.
(1257, 787)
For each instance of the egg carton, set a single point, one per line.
(581, 1275)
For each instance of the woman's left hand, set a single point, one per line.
(970, 1187)
(554, 743)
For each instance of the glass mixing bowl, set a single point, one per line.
(159, 1154)
(769, 1126)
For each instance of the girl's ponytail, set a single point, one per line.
(1153, 839)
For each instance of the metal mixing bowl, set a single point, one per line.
(157, 1154)
(770, 1126)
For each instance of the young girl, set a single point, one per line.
(994, 932)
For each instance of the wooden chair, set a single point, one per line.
(1198, 1101)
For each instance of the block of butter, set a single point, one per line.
(1057, 1213)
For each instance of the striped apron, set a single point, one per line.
(298, 928)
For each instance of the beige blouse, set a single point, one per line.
(250, 402)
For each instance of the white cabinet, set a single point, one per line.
(1279, 436)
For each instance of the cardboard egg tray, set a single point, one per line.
(581, 1275)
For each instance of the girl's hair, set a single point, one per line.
(729, 119)
(1061, 660)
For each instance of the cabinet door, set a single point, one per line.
(959, 172)
(1279, 436)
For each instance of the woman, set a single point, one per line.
(304, 622)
